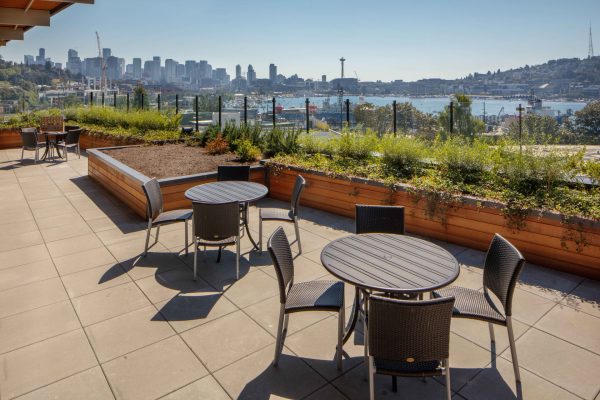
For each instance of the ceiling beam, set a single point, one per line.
(71, 1)
(7, 33)
(18, 16)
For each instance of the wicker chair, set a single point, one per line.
(379, 219)
(408, 338)
(303, 296)
(233, 173)
(503, 264)
(157, 217)
(217, 225)
(71, 142)
(29, 137)
(278, 214)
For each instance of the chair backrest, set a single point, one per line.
(153, 197)
(298, 187)
(233, 173)
(29, 137)
(281, 254)
(214, 222)
(409, 331)
(54, 123)
(379, 219)
(73, 136)
(503, 264)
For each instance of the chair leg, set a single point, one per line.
(371, 369)
(394, 384)
(195, 258)
(297, 229)
(157, 233)
(148, 237)
(186, 237)
(260, 235)
(66, 153)
(279, 342)
(22, 153)
(340, 346)
(492, 336)
(78, 151)
(237, 258)
(219, 255)
(446, 365)
(513, 349)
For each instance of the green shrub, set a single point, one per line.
(355, 145)
(246, 151)
(404, 155)
(463, 162)
(282, 141)
(312, 144)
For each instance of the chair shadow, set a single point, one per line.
(187, 307)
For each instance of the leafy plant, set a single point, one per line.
(246, 151)
(463, 162)
(406, 156)
(218, 145)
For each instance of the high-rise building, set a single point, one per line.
(92, 67)
(180, 72)
(137, 68)
(41, 58)
(170, 70)
(28, 60)
(156, 69)
(57, 65)
(203, 69)
(324, 78)
(220, 74)
(148, 69)
(73, 62)
(251, 75)
(272, 73)
(238, 71)
(191, 71)
(106, 53)
(113, 68)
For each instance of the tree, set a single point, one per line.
(588, 122)
(463, 122)
(537, 129)
(377, 118)
(139, 96)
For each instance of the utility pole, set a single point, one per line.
(520, 109)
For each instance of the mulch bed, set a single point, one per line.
(172, 160)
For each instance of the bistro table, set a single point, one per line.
(388, 263)
(52, 139)
(229, 191)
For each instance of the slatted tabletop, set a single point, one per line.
(390, 263)
(226, 192)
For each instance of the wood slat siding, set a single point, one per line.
(128, 188)
(10, 138)
(543, 240)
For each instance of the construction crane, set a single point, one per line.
(102, 65)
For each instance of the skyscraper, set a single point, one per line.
(170, 70)
(272, 73)
(106, 53)
(156, 69)
(29, 60)
(41, 58)
(251, 75)
(238, 71)
(73, 62)
(137, 68)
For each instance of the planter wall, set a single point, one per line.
(126, 183)
(543, 240)
(10, 138)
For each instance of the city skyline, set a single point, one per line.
(382, 42)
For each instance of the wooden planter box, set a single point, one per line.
(126, 183)
(543, 239)
(10, 138)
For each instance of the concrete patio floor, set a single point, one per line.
(82, 316)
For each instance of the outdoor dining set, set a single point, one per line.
(53, 136)
(402, 284)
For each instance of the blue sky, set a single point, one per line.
(381, 39)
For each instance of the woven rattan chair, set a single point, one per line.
(279, 214)
(71, 142)
(303, 296)
(217, 225)
(233, 173)
(30, 139)
(157, 217)
(503, 264)
(379, 219)
(408, 338)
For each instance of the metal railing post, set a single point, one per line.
(394, 106)
(451, 117)
(307, 115)
(177, 104)
(91, 99)
(220, 111)
(102, 99)
(127, 101)
(158, 102)
(196, 107)
(142, 98)
(245, 110)
(115, 99)
(273, 112)
(348, 113)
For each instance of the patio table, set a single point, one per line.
(229, 191)
(52, 140)
(395, 264)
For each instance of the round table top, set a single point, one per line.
(54, 133)
(390, 263)
(227, 191)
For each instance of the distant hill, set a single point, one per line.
(584, 71)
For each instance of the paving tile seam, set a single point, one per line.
(40, 341)
(191, 383)
(565, 340)
(79, 319)
(323, 387)
(74, 309)
(563, 302)
(24, 284)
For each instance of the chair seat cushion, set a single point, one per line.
(315, 295)
(402, 368)
(173, 216)
(276, 214)
(471, 303)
